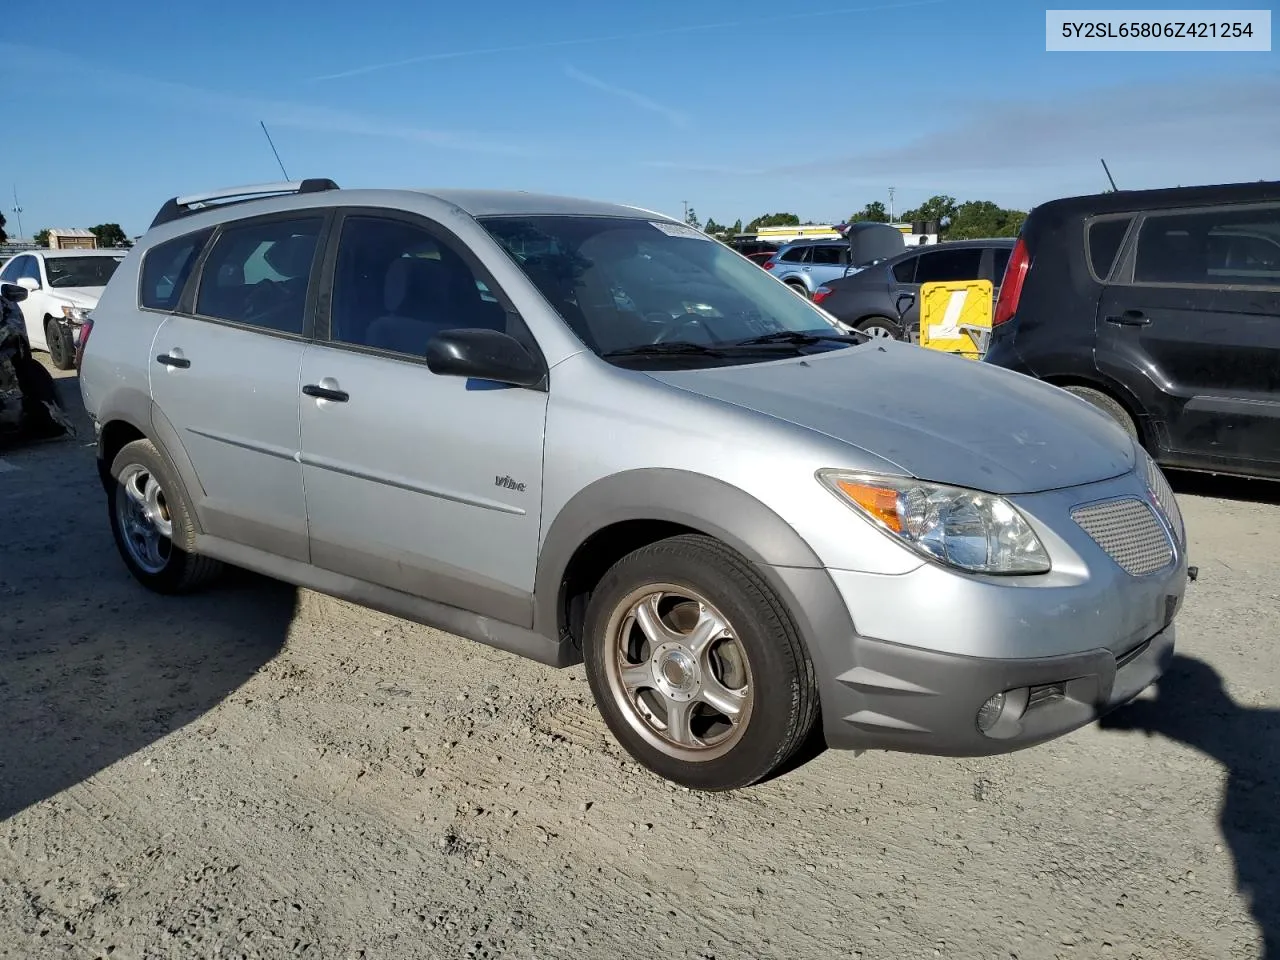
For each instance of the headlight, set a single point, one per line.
(75, 314)
(975, 531)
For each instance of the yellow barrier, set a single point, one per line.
(955, 317)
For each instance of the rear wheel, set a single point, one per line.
(799, 289)
(62, 352)
(696, 665)
(1108, 405)
(152, 523)
(881, 327)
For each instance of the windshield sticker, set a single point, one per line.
(679, 230)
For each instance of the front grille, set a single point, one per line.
(1165, 499)
(1128, 530)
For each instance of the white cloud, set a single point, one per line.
(675, 117)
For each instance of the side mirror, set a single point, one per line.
(28, 283)
(13, 293)
(904, 303)
(483, 355)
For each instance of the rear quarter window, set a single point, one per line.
(165, 270)
(1103, 239)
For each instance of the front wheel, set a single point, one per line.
(152, 523)
(696, 665)
(62, 352)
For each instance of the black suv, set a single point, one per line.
(1162, 308)
(869, 300)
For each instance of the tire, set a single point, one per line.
(799, 289)
(756, 666)
(1108, 405)
(882, 327)
(164, 564)
(62, 352)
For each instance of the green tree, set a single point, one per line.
(41, 238)
(982, 218)
(774, 220)
(110, 235)
(935, 208)
(3, 236)
(737, 226)
(691, 218)
(712, 227)
(873, 212)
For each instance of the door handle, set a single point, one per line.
(1130, 318)
(324, 393)
(169, 360)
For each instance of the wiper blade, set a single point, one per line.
(668, 348)
(800, 339)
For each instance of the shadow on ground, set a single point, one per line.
(1193, 707)
(93, 667)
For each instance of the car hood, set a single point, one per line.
(936, 417)
(77, 296)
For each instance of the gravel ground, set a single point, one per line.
(264, 772)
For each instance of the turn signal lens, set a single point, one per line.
(880, 502)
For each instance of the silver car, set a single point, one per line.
(583, 431)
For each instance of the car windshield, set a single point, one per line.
(80, 271)
(650, 291)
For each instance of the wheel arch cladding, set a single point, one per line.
(116, 434)
(617, 514)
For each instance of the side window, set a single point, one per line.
(943, 266)
(396, 284)
(795, 255)
(905, 272)
(1235, 245)
(166, 268)
(12, 270)
(828, 256)
(1103, 242)
(999, 262)
(257, 274)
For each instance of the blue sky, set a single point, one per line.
(740, 107)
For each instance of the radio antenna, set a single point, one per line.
(1114, 188)
(273, 149)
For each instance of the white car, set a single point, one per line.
(63, 286)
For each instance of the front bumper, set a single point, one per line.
(905, 662)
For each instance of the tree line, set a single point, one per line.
(957, 220)
(107, 234)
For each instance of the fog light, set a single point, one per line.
(990, 712)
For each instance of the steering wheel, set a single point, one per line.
(266, 297)
(673, 328)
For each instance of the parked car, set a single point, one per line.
(638, 451)
(1162, 308)
(869, 300)
(805, 265)
(63, 286)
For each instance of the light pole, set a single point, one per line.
(891, 204)
(686, 210)
(17, 209)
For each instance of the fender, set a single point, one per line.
(693, 500)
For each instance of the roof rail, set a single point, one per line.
(179, 207)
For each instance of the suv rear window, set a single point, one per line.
(1103, 243)
(831, 255)
(166, 268)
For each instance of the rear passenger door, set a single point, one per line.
(224, 373)
(829, 262)
(427, 484)
(1190, 322)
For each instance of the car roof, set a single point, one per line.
(517, 203)
(1123, 201)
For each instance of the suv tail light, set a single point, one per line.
(769, 264)
(1011, 286)
(821, 293)
(86, 328)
